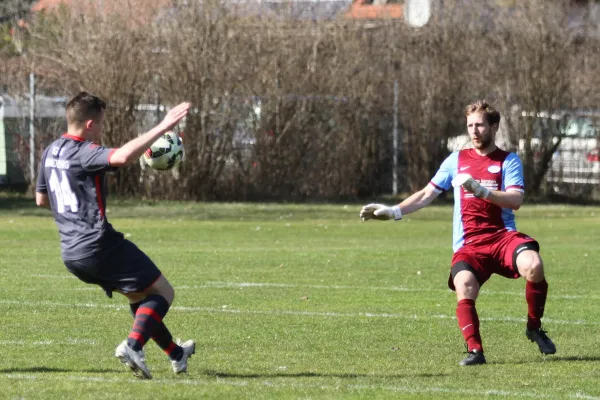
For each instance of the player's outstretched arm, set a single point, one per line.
(420, 199)
(411, 204)
(132, 150)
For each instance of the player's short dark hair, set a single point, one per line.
(83, 107)
(482, 106)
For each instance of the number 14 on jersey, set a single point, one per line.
(65, 198)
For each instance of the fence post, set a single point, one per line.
(395, 138)
(32, 127)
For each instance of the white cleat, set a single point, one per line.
(133, 359)
(189, 348)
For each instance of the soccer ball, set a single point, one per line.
(165, 153)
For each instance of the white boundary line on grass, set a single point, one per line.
(326, 314)
(222, 285)
(53, 276)
(225, 285)
(273, 384)
(75, 341)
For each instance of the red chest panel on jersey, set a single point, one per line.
(478, 215)
(485, 169)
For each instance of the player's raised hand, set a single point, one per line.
(380, 212)
(470, 185)
(174, 115)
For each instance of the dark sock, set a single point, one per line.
(535, 294)
(148, 317)
(162, 337)
(164, 340)
(134, 307)
(468, 322)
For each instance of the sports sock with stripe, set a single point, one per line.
(162, 337)
(535, 294)
(468, 322)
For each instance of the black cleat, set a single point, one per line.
(543, 341)
(475, 357)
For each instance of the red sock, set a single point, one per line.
(535, 294)
(468, 322)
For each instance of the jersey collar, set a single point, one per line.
(73, 137)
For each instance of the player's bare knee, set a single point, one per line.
(163, 288)
(530, 266)
(536, 271)
(134, 297)
(466, 285)
(466, 290)
(167, 292)
(172, 296)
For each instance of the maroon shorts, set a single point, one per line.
(496, 253)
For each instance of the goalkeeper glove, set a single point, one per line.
(471, 185)
(380, 212)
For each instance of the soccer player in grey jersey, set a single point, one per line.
(71, 183)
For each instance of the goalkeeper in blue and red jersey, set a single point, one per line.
(488, 186)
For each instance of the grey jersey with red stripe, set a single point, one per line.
(72, 173)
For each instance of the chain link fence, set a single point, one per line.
(243, 142)
(574, 166)
(19, 149)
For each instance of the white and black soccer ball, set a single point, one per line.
(165, 153)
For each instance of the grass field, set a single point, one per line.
(298, 301)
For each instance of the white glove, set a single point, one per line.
(380, 212)
(471, 185)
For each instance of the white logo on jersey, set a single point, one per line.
(494, 169)
(54, 163)
(464, 168)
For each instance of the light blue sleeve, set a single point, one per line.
(512, 173)
(443, 177)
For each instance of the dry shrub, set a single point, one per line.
(300, 109)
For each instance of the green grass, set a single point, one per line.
(297, 301)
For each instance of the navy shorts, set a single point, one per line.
(124, 268)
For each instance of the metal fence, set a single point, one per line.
(30, 122)
(25, 127)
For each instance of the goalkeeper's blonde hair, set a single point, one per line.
(483, 107)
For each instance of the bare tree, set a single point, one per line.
(298, 109)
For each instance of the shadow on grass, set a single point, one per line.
(13, 203)
(551, 359)
(54, 370)
(217, 374)
(574, 358)
(23, 206)
(139, 208)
